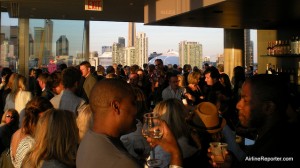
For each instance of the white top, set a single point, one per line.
(23, 148)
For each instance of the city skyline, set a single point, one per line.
(161, 38)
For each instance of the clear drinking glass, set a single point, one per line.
(151, 128)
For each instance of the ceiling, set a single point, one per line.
(232, 14)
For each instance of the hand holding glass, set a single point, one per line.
(151, 128)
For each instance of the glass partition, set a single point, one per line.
(9, 42)
(53, 42)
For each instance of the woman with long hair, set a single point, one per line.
(56, 141)
(174, 113)
(22, 140)
(18, 97)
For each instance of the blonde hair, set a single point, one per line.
(181, 80)
(11, 79)
(84, 121)
(194, 77)
(173, 112)
(19, 83)
(56, 138)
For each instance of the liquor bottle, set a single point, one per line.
(287, 47)
(275, 48)
(297, 45)
(292, 44)
(269, 48)
(298, 74)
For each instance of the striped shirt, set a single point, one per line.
(23, 148)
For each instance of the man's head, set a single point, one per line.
(71, 77)
(134, 79)
(264, 99)
(85, 68)
(42, 80)
(159, 63)
(173, 81)
(212, 75)
(113, 101)
(54, 82)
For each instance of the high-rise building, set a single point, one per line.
(130, 56)
(38, 42)
(62, 46)
(121, 41)
(220, 59)
(4, 53)
(31, 46)
(190, 53)
(248, 48)
(141, 48)
(106, 49)
(118, 56)
(48, 37)
(131, 34)
(13, 40)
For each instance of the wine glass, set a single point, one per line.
(151, 128)
(141, 148)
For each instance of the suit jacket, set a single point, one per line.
(88, 84)
(67, 100)
(47, 94)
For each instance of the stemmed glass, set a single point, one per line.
(151, 128)
(141, 148)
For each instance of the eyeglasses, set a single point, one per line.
(9, 116)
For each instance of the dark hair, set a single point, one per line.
(54, 79)
(266, 87)
(86, 63)
(214, 72)
(6, 71)
(110, 69)
(33, 108)
(62, 66)
(70, 76)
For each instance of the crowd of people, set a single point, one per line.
(82, 116)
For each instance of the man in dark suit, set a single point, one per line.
(42, 80)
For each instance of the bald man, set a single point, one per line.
(114, 109)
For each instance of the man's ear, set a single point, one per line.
(115, 105)
(269, 107)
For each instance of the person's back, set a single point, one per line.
(67, 100)
(57, 146)
(22, 140)
(102, 145)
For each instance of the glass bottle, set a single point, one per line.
(269, 48)
(298, 74)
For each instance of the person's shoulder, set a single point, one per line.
(52, 164)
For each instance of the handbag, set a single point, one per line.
(5, 159)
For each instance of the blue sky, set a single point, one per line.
(160, 38)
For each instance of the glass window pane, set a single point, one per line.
(9, 42)
(53, 42)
